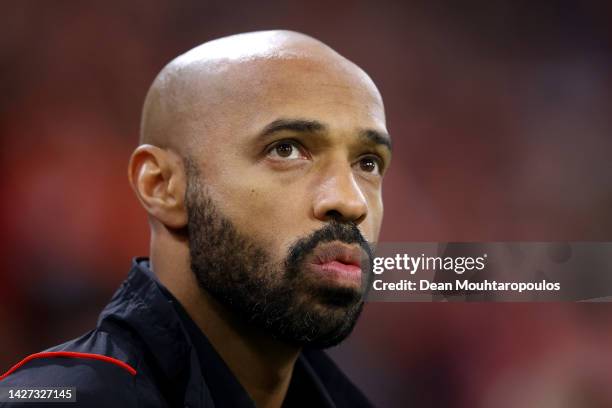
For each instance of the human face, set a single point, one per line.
(292, 190)
(282, 299)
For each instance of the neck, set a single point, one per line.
(261, 364)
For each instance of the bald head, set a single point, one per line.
(220, 84)
(258, 151)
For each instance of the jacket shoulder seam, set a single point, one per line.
(69, 354)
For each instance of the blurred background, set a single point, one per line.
(501, 117)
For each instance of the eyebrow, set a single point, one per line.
(381, 138)
(313, 126)
(297, 125)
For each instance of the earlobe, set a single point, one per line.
(158, 179)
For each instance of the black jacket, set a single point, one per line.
(141, 354)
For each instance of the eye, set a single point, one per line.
(286, 149)
(370, 164)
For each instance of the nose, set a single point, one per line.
(339, 198)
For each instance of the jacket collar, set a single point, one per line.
(140, 304)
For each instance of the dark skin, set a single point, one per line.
(287, 134)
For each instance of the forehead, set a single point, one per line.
(245, 97)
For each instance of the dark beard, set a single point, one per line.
(277, 298)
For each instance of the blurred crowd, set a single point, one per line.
(501, 118)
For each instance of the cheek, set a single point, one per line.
(271, 214)
(373, 222)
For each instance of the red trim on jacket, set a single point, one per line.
(69, 354)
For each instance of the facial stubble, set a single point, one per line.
(276, 297)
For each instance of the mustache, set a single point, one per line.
(347, 233)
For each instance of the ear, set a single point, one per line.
(158, 179)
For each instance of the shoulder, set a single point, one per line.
(95, 382)
(101, 371)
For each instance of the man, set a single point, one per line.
(260, 167)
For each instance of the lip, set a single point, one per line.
(337, 261)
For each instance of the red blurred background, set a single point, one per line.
(501, 118)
